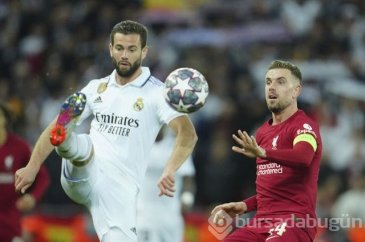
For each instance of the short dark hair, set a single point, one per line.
(7, 114)
(130, 27)
(280, 64)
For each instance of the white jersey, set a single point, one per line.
(126, 122)
(159, 218)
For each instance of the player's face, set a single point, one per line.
(127, 54)
(281, 90)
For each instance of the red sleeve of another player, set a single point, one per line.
(40, 184)
(251, 203)
(301, 155)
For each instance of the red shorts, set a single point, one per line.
(278, 233)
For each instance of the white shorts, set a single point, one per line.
(112, 203)
(156, 230)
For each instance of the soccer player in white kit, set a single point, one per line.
(103, 170)
(161, 220)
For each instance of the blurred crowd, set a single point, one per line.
(48, 49)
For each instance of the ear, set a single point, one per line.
(110, 49)
(144, 52)
(297, 90)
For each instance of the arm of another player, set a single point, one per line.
(232, 209)
(185, 141)
(302, 153)
(28, 201)
(222, 212)
(25, 177)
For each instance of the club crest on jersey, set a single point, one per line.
(275, 142)
(102, 87)
(138, 105)
(9, 160)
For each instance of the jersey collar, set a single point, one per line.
(138, 82)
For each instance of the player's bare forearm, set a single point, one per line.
(42, 148)
(186, 139)
(25, 176)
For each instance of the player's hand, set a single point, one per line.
(166, 184)
(25, 203)
(247, 145)
(25, 177)
(232, 209)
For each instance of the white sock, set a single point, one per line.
(77, 147)
(78, 172)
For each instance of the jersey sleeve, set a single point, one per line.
(305, 140)
(301, 155)
(40, 184)
(251, 204)
(89, 91)
(42, 180)
(164, 111)
(307, 132)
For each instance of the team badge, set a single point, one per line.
(138, 105)
(9, 160)
(275, 142)
(102, 87)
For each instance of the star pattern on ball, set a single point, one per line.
(201, 97)
(186, 90)
(182, 107)
(183, 85)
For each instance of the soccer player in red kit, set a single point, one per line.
(14, 154)
(288, 151)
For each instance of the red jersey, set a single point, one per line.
(15, 154)
(286, 181)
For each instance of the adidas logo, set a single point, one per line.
(98, 100)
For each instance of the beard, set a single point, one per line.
(277, 108)
(127, 72)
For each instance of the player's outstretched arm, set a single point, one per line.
(300, 155)
(232, 209)
(25, 177)
(185, 141)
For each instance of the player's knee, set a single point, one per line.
(78, 191)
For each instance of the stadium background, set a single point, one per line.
(49, 49)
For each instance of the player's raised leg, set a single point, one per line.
(75, 149)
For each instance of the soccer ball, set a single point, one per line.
(186, 90)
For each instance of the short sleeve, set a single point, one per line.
(87, 90)
(164, 111)
(305, 131)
